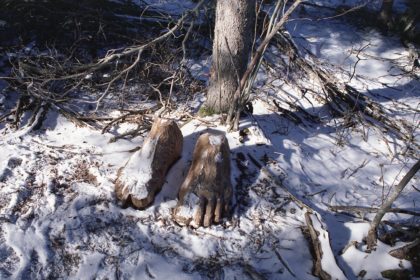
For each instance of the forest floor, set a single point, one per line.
(59, 217)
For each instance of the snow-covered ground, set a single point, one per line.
(59, 217)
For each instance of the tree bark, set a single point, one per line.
(233, 35)
(205, 195)
(385, 14)
(372, 235)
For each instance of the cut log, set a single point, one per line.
(144, 173)
(206, 193)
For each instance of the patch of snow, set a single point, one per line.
(138, 170)
(218, 158)
(376, 261)
(215, 140)
(190, 206)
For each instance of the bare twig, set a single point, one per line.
(317, 249)
(251, 67)
(284, 263)
(358, 60)
(361, 209)
(52, 78)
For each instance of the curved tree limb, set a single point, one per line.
(372, 234)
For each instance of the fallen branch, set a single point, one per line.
(404, 251)
(122, 118)
(364, 210)
(274, 179)
(141, 128)
(342, 99)
(284, 263)
(316, 249)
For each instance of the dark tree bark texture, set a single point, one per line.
(233, 35)
(385, 14)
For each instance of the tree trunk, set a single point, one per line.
(385, 14)
(372, 236)
(233, 35)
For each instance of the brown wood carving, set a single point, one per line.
(206, 193)
(144, 173)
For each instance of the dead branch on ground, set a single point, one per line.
(365, 210)
(342, 99)
(316, 249)
(404, 251)
(58, 79)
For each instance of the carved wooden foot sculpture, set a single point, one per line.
(144, 173)
(205, 195)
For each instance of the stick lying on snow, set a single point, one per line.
(342, 99)
(317, 249)
(325, 266)
(363, 210)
